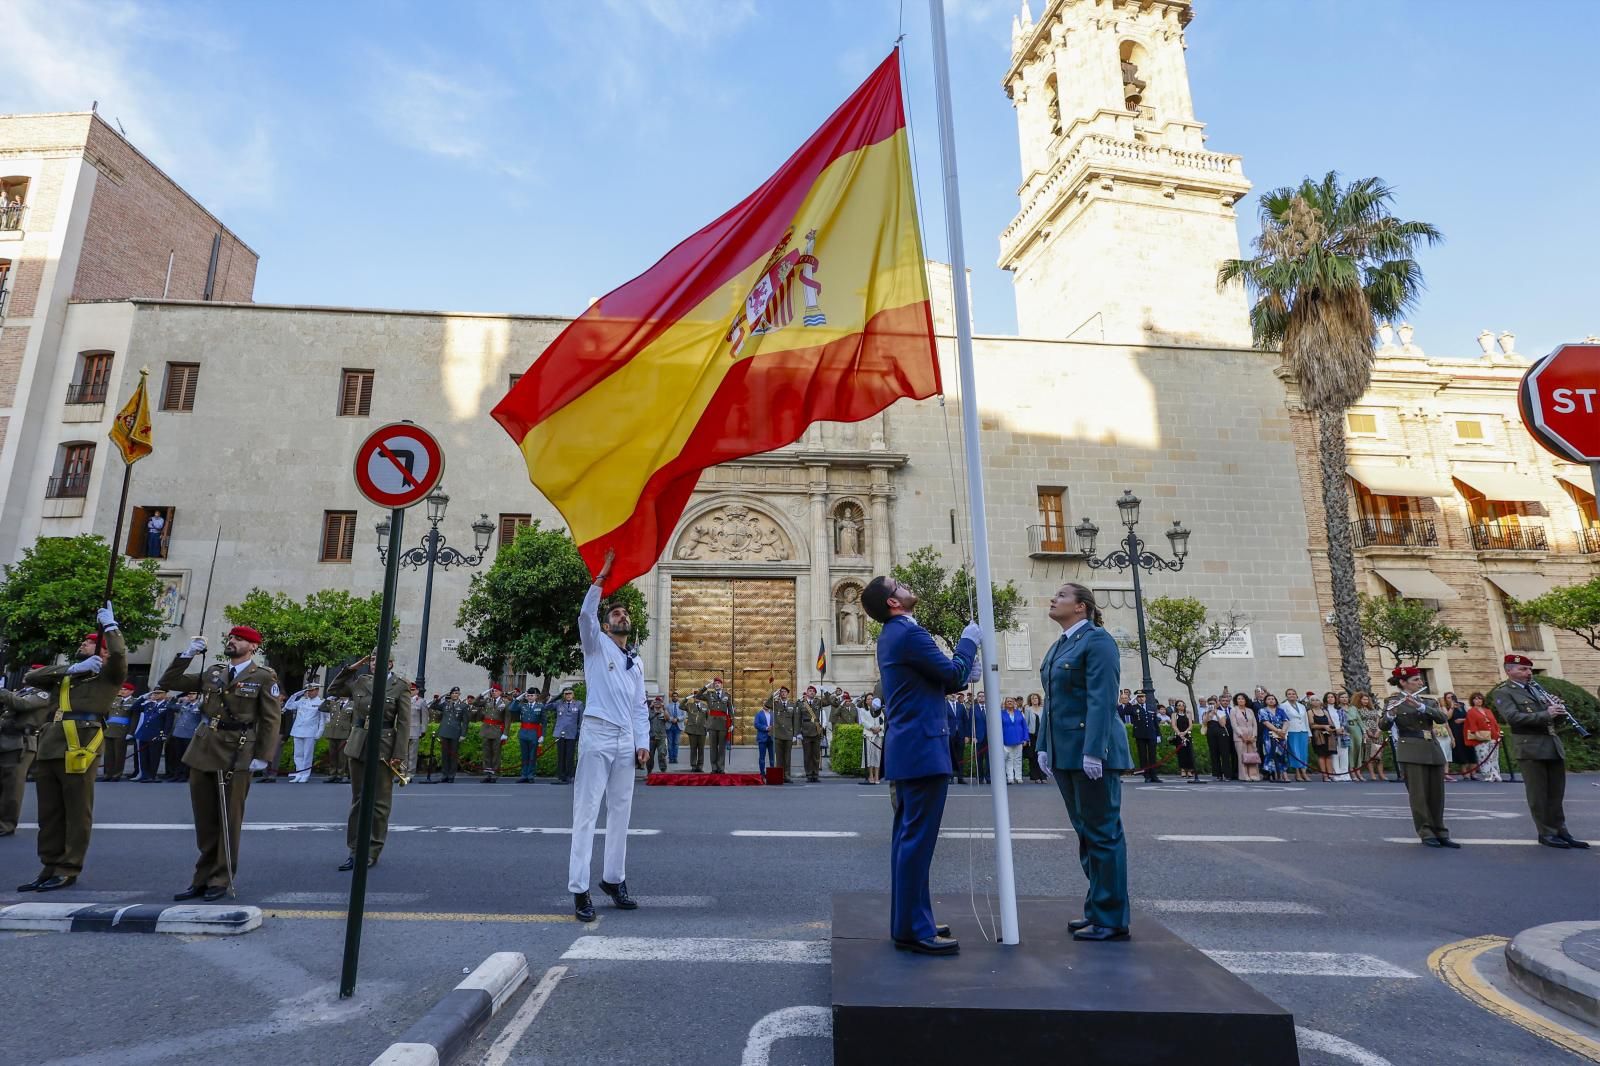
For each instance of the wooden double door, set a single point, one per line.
(739, 629)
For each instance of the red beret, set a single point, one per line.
(128, 686)
(94, 638)
(494, 688)
(1406, 671)
(1518, 660)
(246, 633)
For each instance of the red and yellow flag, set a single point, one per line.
(806, 302)
(130, 430)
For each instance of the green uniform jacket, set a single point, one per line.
(840, 712)
(237, 714)
(396, 741)
(488, 711)
(694, 721)
(1423, 750)
(86, 694)
(22, 712)
(116, 730)
(785, 718)
(810, 724)
(453, 718)
(340, 719)
(658, 724)
(1530, 722)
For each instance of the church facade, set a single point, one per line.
(1133, 372)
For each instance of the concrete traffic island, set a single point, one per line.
(1559, 965)
(1153, 999)
(184, 918)
(441, 1034)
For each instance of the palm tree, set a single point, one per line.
(1330, 262)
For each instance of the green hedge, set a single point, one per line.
(1581, 754)
(846, 751)
(471, 754)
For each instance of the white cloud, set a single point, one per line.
(700, 20)
(64, 55)
(419, 106)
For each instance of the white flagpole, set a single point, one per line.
(1005, 878)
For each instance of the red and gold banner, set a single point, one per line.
(806, 302)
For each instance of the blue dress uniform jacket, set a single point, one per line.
(1080, 676)
(916, 677)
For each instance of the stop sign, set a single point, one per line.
(1560, 401)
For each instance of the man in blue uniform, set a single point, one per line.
(916, 676)
(1087, 746)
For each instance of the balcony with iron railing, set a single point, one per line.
(67, 487)
(1499, 537)
(1394, 532)
(1589, 540)
(85, 392)
(11, 217)
(1050, 542)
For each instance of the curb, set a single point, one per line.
(129, 918)
(441, 1034)
(1541, 968)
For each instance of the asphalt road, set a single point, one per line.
(1324, 913)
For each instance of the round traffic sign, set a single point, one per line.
(399, 464)
(1560, 402)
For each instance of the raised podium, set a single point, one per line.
(1150, 1000)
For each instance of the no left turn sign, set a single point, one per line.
(399, 464)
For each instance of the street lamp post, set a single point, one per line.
(1132, 556)
(431, 552)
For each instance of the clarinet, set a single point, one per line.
(1555, 703)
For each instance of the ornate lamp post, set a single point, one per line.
(1132, 555)
(434, 551)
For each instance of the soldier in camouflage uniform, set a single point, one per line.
(394, 719)
(337, 733)
(785, 727)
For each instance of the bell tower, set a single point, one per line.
(1125, 216)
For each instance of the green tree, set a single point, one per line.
(48, 598)
(523, 610)
(946, 600)
(1331, 261)
(1180, 635)
(1406, 629)
(330, 626)
(1574, 608)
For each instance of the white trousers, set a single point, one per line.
(1013, 763)
(605, 771)
(305, 749)
(1341, 762)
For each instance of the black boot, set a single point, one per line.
(582, 907)
(619, 895)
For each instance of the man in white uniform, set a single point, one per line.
(309, 721)
(615, 738)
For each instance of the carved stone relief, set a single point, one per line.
(734, 533)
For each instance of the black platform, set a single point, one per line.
(1150, 1000)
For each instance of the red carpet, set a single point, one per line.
(703, 779)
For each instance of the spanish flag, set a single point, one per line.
(822, 657)
(806, 302)
(130, 430)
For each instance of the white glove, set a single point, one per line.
(1092, 768)
(91, 665)
(257, 764)
(973, 632)
(107, 620)
(197, 646)
(1044, 765)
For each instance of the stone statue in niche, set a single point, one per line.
(848, 523)
(734, 533)
(850, 631)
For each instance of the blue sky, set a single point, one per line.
(524, 157)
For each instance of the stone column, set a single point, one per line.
(663, 632)
(821, 573)
(878, 524)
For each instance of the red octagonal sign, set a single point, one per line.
(1560, 401)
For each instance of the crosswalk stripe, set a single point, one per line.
(1016, 834)
(329, 827)
(1467, 840)
(1226, 906)
(1306, 963)
(821, 833)
(697, 949)
(1220, 839)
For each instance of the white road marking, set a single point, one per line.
(1465, 840)
(1225, 906)
(697, 949)
(329, 827)
(780, 1025)
(822, 833)
(1306, 963)
(1016, 834)
(509, 1037)
(1463, 814)
(1316, 1040)
(285, 899)
(1219, 839)
(656, 901)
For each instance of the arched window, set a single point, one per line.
(13, 201)
(94, 377)
(1132, 57)
(74, 464)
(1052, 103)
(5, 284)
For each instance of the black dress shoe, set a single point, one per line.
(1572, 842)
(1446, 842)
(942, 930)
(933, 945)
(1100, 933)
(1079, 923)
(33, 886)
(1432, 842)
(214, 893)
(52, 883)
(192, 892)
(1554, 842)
(619, 895)
(348, 864)
(582, 907)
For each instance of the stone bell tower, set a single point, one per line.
(1125, 215)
